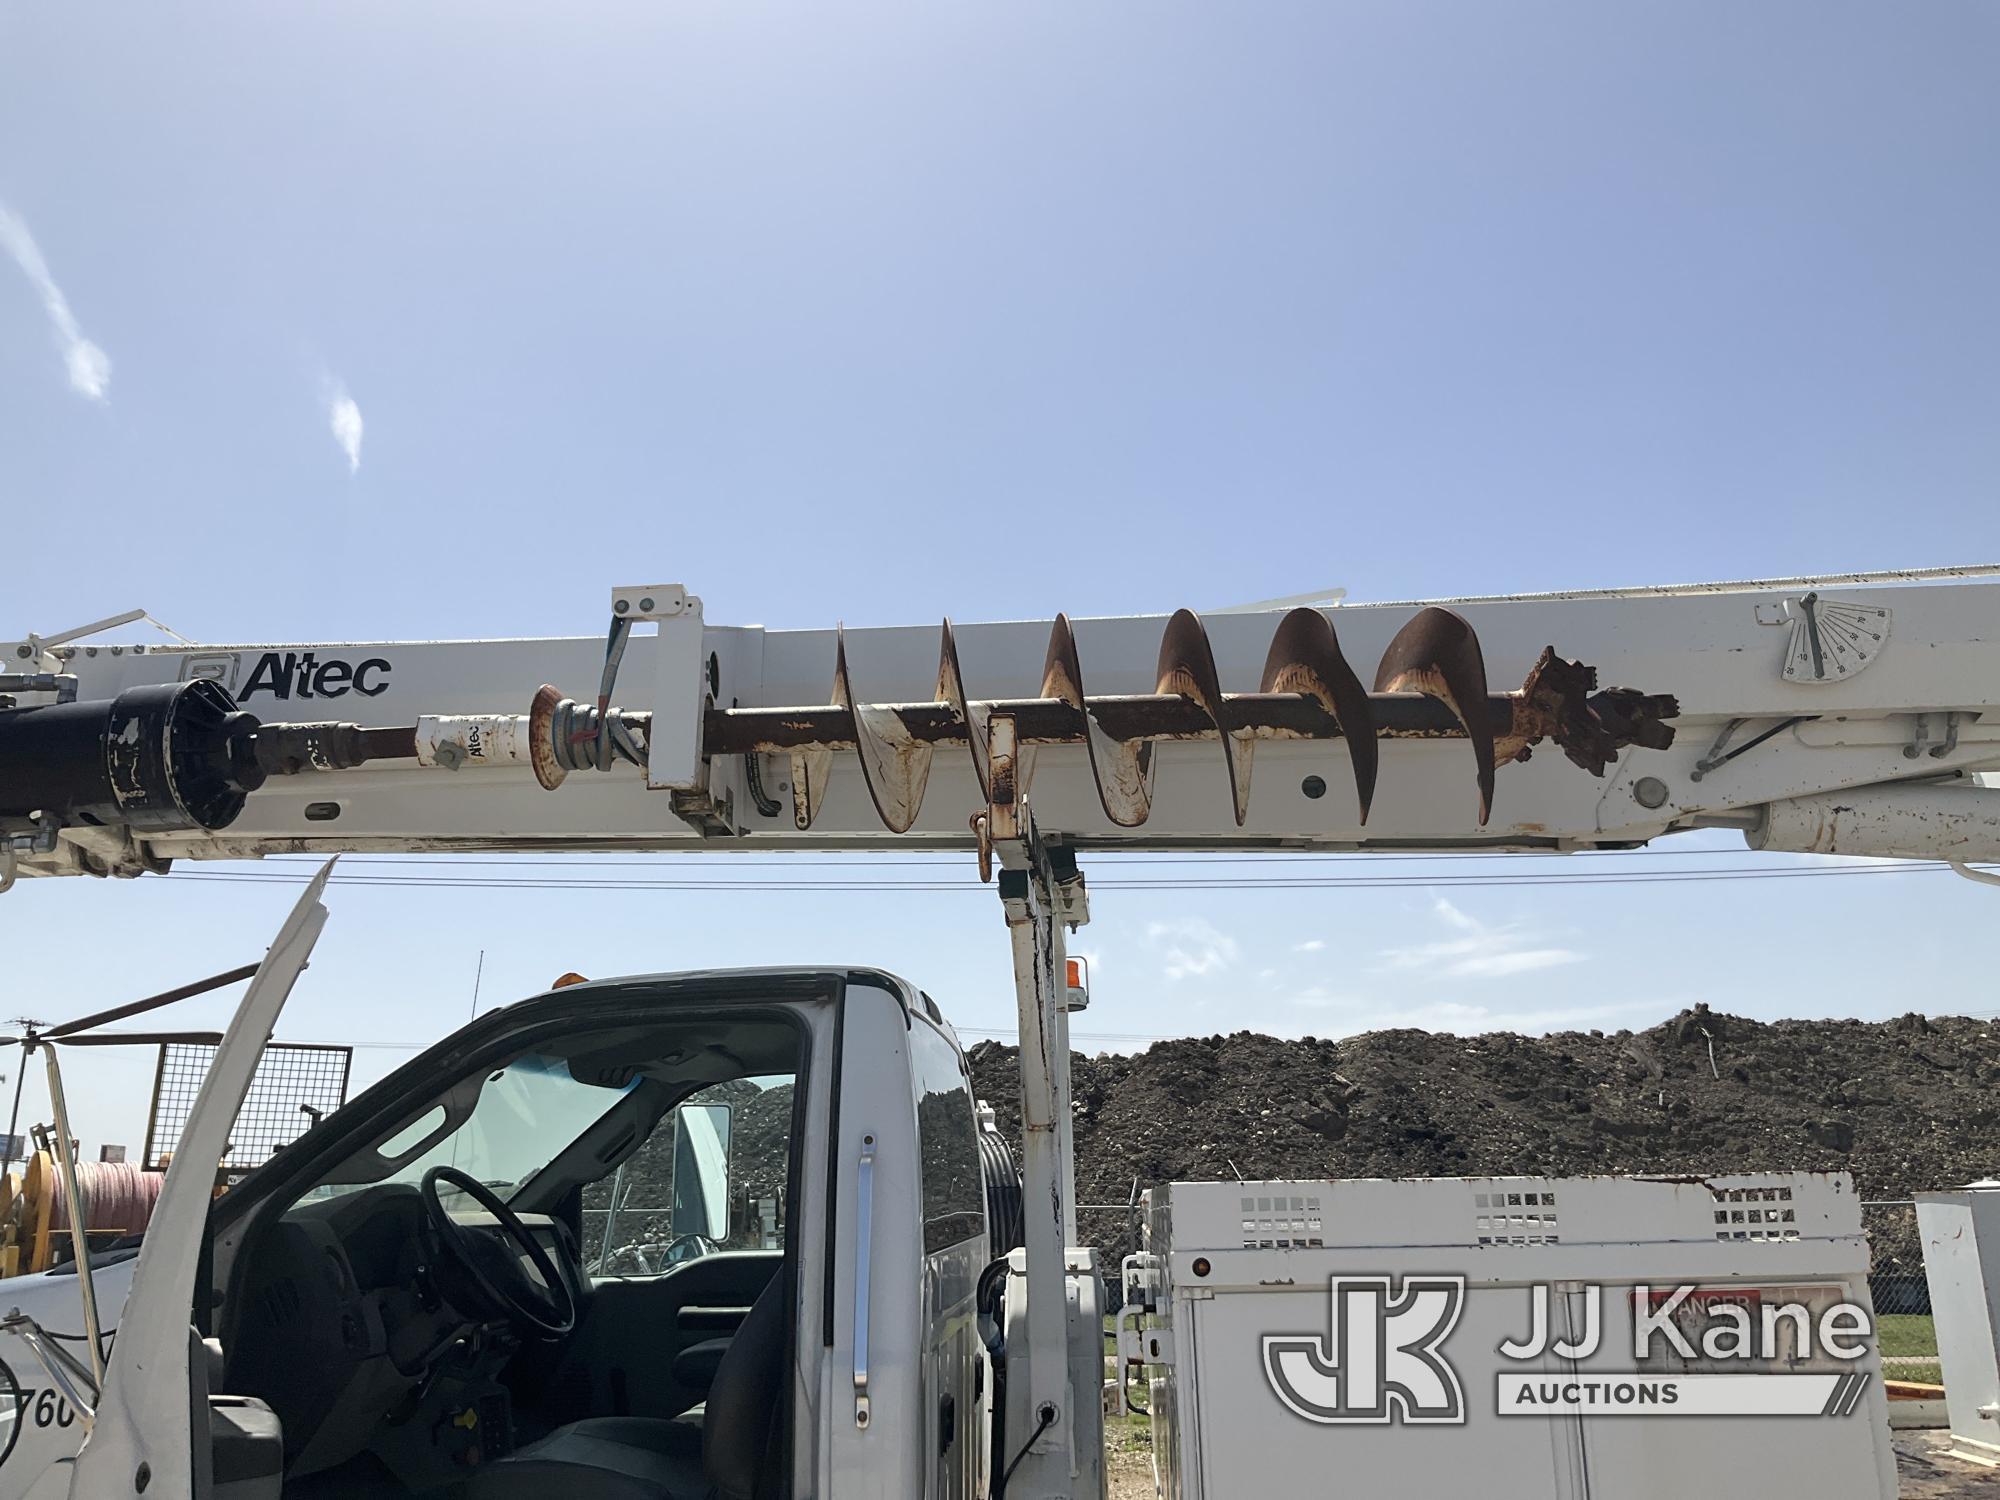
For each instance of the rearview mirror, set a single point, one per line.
(701, 1171)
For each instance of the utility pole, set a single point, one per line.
(29, 1029)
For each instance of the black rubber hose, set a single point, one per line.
(990, 1297)
(1046, 1421)
(1006, 1222)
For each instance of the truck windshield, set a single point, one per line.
(526, 1113)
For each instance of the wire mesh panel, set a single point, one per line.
(1895, 1259)
(1901, 1295)
(296, 1083)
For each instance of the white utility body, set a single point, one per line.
(1961, 1233)
(1238, 1265)
(1840, 715)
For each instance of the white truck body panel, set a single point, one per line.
(1961, 1236)
(49, 1429)
(1268, 1269)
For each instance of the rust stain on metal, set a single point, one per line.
(1438, 654)
(895, 765)
(1120, 768)
(1560, 701)
(1187, 670)
(971, 720)
(1305, 659)
(541, 738)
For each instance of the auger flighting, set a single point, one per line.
(172, 757)
(1430, 684)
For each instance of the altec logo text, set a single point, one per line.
(1384, 1359)
(301, 674)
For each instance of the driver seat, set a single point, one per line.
(737, 1453)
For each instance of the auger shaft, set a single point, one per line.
(1050, 721)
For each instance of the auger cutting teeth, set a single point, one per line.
(1437, 654)
(1431, 684)
(1305, 658)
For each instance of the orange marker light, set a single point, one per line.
(1077, 990)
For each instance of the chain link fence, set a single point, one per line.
(1114, 1229)
(1900, 1294)
(1895, 1259)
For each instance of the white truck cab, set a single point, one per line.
(704, 1234)
(424, 1292)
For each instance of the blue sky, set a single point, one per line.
(408, 320)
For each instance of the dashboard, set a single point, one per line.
(335, 1324)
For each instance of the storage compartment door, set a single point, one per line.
(1250, 1442)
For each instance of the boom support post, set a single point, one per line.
(1042, 893)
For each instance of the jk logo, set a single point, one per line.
(1382, 1362)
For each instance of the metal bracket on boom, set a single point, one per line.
(1720, 754)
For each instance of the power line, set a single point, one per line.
(1101, 882)
(1100, 857)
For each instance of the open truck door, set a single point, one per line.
(149, 1434)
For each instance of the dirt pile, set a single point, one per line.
(759, 1145)
(1905, 1105)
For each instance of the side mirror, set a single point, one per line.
(701, 1170)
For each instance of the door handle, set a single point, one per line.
(864, 1234)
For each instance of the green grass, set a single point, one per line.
(1902, 1336)
(1905, 1334)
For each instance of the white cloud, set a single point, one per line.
(1192, 947)
(1310, 945)
(1454, 916)
(1319, 997)
(1518, 961)
(89, 367)
(343, 419)
(1479, 952)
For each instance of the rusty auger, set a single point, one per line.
(1437, 654)
(1430, 684)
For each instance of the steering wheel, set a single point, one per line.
(490, 1268)
(689, 1247)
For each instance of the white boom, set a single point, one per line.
(1779, 694)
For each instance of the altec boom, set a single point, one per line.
(1733, 704)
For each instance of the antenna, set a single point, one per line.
(29, 1027)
